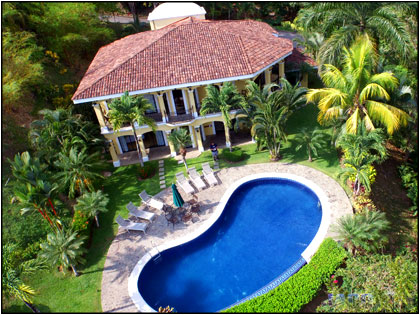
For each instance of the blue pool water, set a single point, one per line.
(264, 228)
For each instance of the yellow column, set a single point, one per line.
(115, 143)
(99, 114)
(171, 145)
(199, 139)
(227, 135)
(192, 102)
(304, 81)
(114, 155)
(142, 148)
(267, 76)
(171, 104)
(281, 69)
(162, 107)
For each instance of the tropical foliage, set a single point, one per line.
(180, 139)
(358, 92)
(12, 276)
(410, 182)
(382, 283)
(91, 203)
(223, 99)
(268, 111)
(364, 231)
(311, 141)
(64, 248)
(129, 109)
(77, 171)
(342, 22)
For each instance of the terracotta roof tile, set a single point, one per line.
(187, 51)
(297, 58)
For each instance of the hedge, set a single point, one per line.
(235, 156)
(301, 288)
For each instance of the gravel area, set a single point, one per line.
(127, 248)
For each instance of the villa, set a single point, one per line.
(172, 64)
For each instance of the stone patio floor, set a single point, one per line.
(127, 248)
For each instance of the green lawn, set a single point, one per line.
(65, 293)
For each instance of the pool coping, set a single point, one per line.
(310, 250)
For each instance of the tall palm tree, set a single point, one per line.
(223, 100)
(311, 141)
(12, 275)
(181, 139)
(128, 109)
(64, 248)
(92, 203)
(77, 171)
(362, 231)
(358, 167)
(357, 92)
(343, 22)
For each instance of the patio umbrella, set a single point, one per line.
(178, 201)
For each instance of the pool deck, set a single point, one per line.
(127, 248)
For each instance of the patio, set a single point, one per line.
(127, 248)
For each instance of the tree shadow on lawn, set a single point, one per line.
(390, 197)
(20, 308)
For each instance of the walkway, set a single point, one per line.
(127, 248)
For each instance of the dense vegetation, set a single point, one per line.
(54, 155)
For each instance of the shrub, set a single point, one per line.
(148, 170)
(80, 222)
(300, 288)
(362, 202)
(235, 156)
(410, 182)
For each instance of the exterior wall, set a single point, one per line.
(157, 24)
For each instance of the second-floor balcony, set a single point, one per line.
(180, 118)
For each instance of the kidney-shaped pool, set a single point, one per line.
(265, 226)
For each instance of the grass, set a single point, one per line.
(64, 293)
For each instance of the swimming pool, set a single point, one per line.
(264, 228)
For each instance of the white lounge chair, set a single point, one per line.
(130, 225)
(183, 183)
(150, 201)
(196, 178)
(209, 174)
(139, 212)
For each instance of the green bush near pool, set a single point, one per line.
(236, 155)
(299, 289)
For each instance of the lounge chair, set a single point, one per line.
(140, 213)
(130, 225)
(150, 201)
(196, 178)
(209, 174)
(183, 183)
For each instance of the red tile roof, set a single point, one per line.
(191, 50)
(298, 57)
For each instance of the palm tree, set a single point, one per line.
(223, 100)
(358, 167)
(64, 248)
(12, 275)
(181, 139)
(92, 203)
(76, 171)
(357, 92)
(364, 142)
(362, 231)
(131, 110)
(343, 22)
(311, 141)
(312, 42)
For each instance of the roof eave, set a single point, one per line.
(183, 85)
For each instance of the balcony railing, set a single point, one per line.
(157, 117)
(180, 118)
